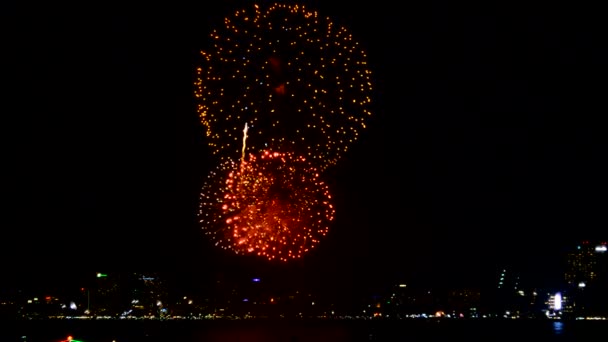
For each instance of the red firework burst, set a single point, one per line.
(273, 205)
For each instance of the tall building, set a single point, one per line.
(503, 296)
(148, 295)
(586, 279)
(127, 294)
(585, 263)
(106, 295)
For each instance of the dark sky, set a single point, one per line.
(486, 147)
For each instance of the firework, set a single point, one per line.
(273, 205)
(299, 81)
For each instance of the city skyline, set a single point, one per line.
(161, 295)
(484, 148)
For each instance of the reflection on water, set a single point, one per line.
(558, 327)
(278, 332)
(303, 331)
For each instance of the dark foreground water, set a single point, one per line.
(303, 331)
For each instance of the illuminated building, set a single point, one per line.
(584, 263)
(505, 292)
(112, 295)
(586, 278)
(556, 305)
(148, 295)
(105, 295)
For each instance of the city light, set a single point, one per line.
(557, 305)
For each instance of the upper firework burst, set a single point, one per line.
(300, 82)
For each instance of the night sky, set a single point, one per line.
(486, 147)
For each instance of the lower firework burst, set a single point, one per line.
(273, 205)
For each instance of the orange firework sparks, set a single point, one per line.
(289, 90)
(300, 81)
(274, 205)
